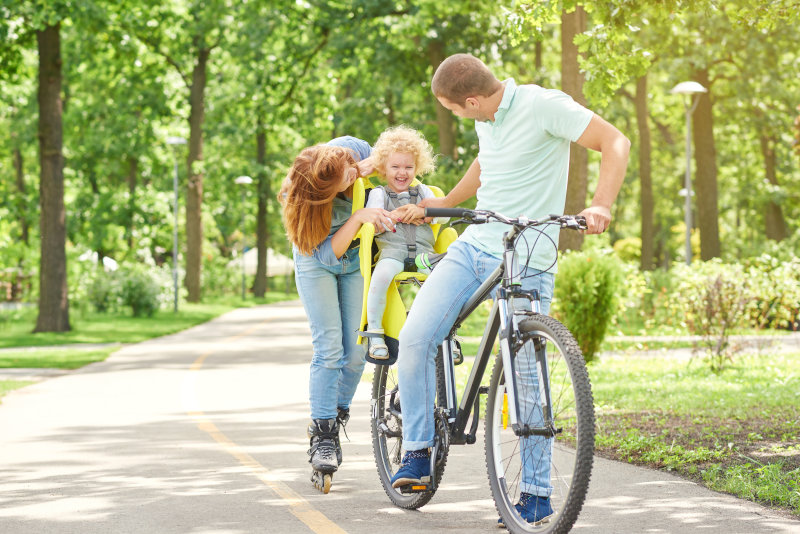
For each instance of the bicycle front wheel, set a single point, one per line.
(558, 465)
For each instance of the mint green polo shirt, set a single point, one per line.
(524, 159)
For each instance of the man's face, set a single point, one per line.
(470, 110)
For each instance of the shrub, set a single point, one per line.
(140, 290)
(587, 295)
(714, 297)
(101, 291)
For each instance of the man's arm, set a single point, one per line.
(614, 148)
(464, 189)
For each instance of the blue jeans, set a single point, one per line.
(332, 299)
(433, 313)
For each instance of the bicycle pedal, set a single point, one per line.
(421, 487)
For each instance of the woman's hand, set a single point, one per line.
(409, 214)
(379, 217)
(366, 166)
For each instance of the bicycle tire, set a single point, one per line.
(387, 434)
(571, 450)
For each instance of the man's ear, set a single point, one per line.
(471, 102)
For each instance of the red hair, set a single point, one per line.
(307, 194)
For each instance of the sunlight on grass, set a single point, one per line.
(58, 358)
(10, 385)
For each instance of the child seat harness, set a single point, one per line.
(402, 245)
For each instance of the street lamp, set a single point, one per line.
(175, 142)
(688, 88)
(243, 180)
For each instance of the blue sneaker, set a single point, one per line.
(416, 466)
(533, 509)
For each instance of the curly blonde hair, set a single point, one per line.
(407, 141)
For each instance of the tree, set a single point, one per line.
(53, 298)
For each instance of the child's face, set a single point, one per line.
(400, 171)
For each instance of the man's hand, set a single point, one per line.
(597, 219)
(433, 202)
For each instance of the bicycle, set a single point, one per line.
(556, 411)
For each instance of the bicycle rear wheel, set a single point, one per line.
(560, 465)
(387, 434)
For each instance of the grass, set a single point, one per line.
(736, 431)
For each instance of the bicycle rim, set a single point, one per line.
(567, 456)
(387, 438)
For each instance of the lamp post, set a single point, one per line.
(175, 142)
(688, 88)
(243, 180)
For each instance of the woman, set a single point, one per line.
(317, 204)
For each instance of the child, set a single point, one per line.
(400, 155)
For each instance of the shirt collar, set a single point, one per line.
(510, 88)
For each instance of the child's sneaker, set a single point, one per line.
(416, 466)
(533, 509)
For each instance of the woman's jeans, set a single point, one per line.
(332, 299)
(433, 313)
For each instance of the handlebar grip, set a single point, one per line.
(446, 212)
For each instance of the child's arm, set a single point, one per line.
(376, 200)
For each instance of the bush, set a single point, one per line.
(714, 297)
(587, 295)
(101, 291)
(140, 290)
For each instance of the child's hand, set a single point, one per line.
(409, 214)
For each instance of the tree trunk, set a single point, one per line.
(444, 118)
(264, 196)
(194, 188)
(133, 171)
(705, 155)
(21, 203)
(645, 177)
(573, 24)
(773, 215)
(53, 296)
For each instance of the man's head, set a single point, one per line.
(462, 83)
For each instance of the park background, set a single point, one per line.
(98, 98)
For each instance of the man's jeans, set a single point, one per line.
(332, 299)
(433, 313)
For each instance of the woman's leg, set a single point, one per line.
(319, 292)
(385, 271)
(351, 289)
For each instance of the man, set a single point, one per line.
(524, 134)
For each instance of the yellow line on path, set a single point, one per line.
(298, 506)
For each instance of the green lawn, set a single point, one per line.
(736, 431)
(8, 385)
(53, 358)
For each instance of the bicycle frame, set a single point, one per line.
(502, 320)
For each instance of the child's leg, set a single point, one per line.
(385, 271)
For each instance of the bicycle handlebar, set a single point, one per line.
(575, 222)
(446, 212)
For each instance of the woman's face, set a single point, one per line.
(350, 175)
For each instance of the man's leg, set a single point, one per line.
(431, 317)
(536, 451)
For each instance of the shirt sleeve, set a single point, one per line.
(561, 116)
(376, 198)
(359, 148)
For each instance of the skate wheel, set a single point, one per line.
(327, 480)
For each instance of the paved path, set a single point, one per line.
(204, 432)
